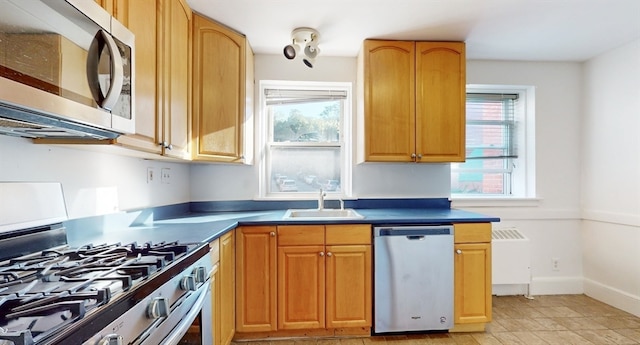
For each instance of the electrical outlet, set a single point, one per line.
(165, 175)
(555, 264)
(151, 175)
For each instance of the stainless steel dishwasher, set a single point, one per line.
(413, 278)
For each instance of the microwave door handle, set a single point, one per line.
(101, 40)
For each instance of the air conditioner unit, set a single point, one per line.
(511, 257)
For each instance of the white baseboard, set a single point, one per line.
(509, 289)
(557, 286)
(612, 296)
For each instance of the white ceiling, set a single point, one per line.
(541, 30)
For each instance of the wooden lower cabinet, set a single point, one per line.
(311, 279)
(224, 288)
(256, 279)
(348, 286)
(301, 287)
(472, 278)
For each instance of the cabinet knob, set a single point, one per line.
(272, 234)
(458, 251)
(321, 254)
(329, 254)
(413, 155)
(419, 155)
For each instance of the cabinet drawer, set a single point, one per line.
(293, 235)
(214, 249)
(472, 232)
(348, 234)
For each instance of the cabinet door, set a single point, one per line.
(256, 279)
(219, 91)
(472, 283)
(301, 287)
(148, 125)
(348, 286)
(440, 101)
(215, 303)
(389, 100)
(176, 80)
(227, 289)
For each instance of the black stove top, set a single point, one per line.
(43, 294)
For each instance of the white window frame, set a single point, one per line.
(346, 139)
(523, 186)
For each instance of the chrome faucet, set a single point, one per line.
(321, 199)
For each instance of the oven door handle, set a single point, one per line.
(179, 331)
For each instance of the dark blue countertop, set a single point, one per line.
(204, 225)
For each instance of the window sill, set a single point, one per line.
(458, 202)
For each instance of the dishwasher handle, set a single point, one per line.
(414, 233)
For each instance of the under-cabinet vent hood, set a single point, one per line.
(22, 123)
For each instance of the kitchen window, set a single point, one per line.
(306, 131)
(499, 135)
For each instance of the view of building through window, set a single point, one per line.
(490, 146)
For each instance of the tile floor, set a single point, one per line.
(561, 319)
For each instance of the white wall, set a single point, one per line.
(552, 223)
(93, 182)
(611, 177)
(223, 182)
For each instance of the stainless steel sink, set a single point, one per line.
(316, 214)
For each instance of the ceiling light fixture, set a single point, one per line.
(307, 38)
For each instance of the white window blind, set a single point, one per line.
(289, 96)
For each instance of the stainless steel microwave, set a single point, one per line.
(66, 70)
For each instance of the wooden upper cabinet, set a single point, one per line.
(440, 101)
(162, 69)
(147, 136)
(389, 100)
(412, 101)
(175, 61)
(222, 89)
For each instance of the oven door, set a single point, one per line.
(171, 330)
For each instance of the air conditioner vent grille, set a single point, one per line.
(507, 234)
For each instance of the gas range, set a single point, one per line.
(116, 293)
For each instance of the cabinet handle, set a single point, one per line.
(413, 155)
(329, 254)
(321, 253)
(458, 251)
(272, 234)
(419, 155)
(166, 145)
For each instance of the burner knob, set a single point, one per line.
(188, 283)
(159, 307)
(201, 274)
(110, 339)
